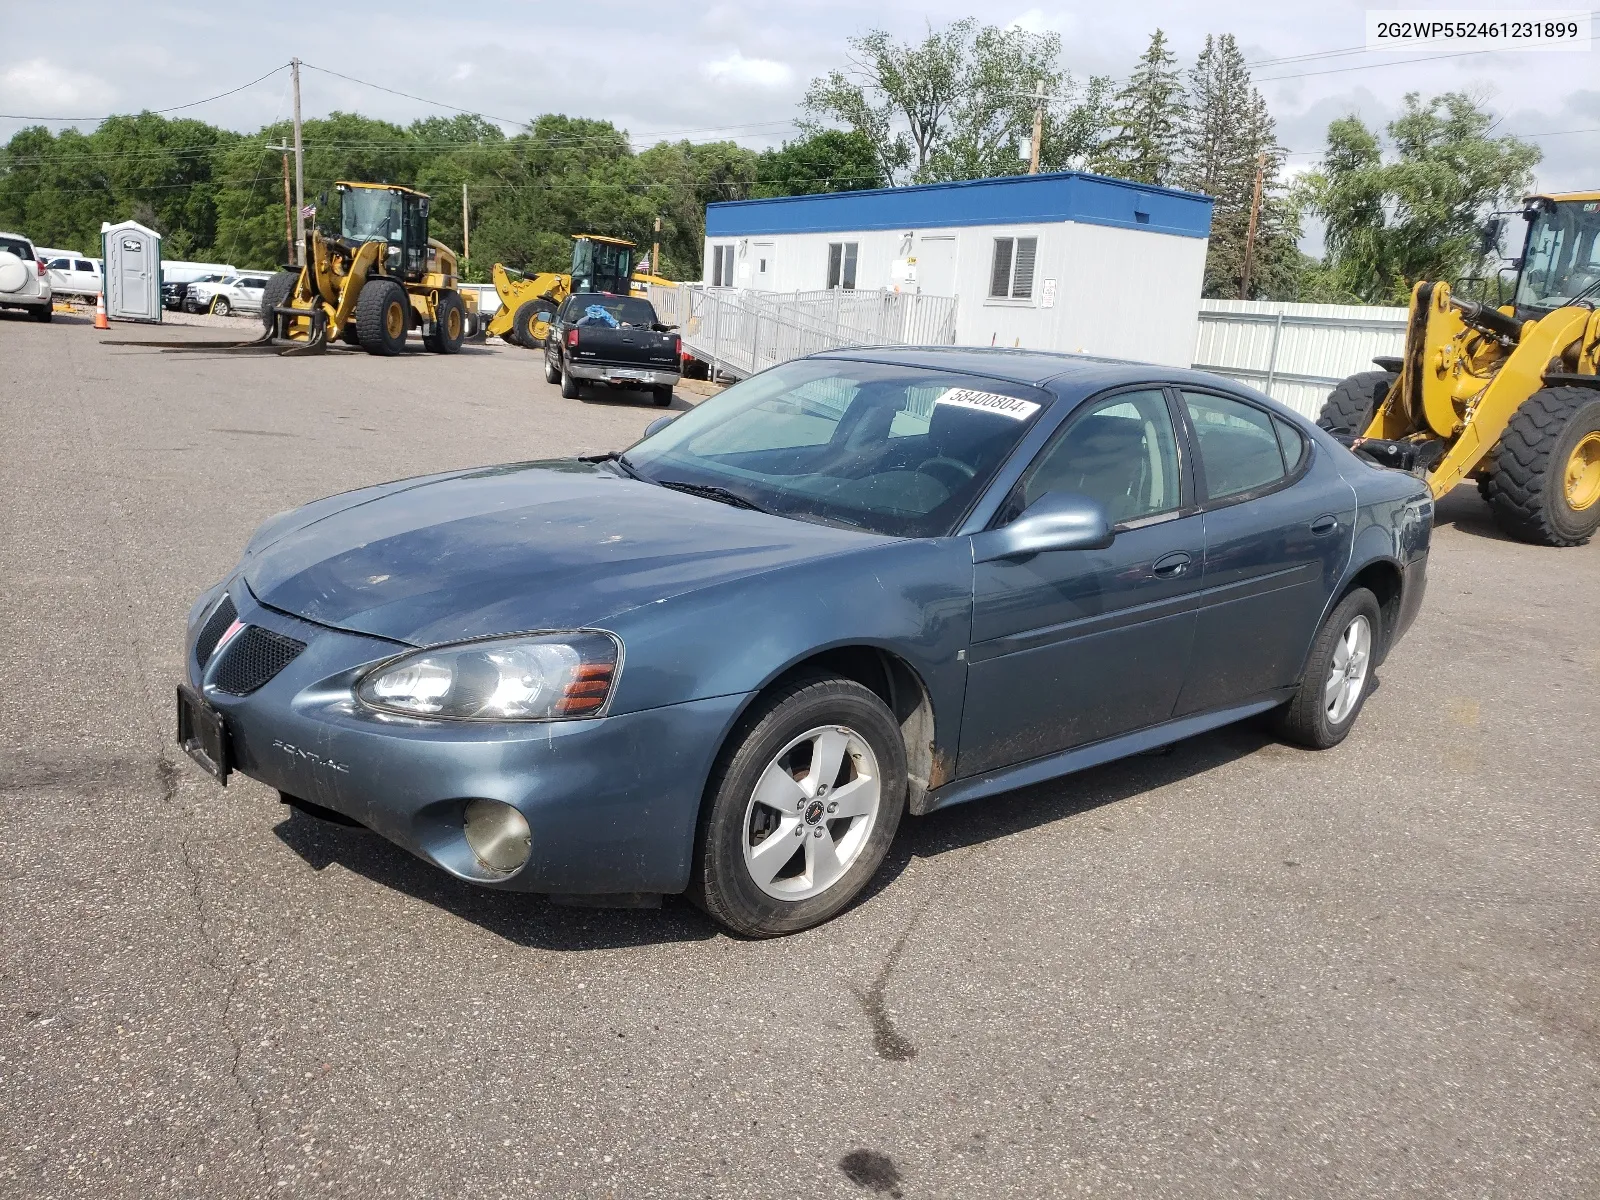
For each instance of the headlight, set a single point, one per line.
(540, 677)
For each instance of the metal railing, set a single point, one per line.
(1296, 353)
(740, 331)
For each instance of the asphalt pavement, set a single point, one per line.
(1232, 969)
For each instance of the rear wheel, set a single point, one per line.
(278, 290)
(1338, 675)
(1545, 484)
(569, 385)
(46, 313)
(662, 396)
(522, 323)
(382, 315)
(1350, 406)
(449, 324)
(801, 808)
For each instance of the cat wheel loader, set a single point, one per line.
(599, 264)
(1508, 396)
(379, 278)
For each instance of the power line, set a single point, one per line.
(153, 111)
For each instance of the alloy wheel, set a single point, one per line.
(812, 812)
(1347, 677)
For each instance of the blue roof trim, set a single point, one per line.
(1007, 200)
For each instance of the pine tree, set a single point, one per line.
(1227, 131)
(1146, 119)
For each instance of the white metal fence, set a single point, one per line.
(1295, 353)
(741, 331)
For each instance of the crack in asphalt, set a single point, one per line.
(212, 959)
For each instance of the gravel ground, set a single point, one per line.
(1235, 968)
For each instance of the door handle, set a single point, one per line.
(1171, 566)
(1324, 524)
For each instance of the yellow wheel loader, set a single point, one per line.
(379, 278)
(1508, 395)
(599, 264)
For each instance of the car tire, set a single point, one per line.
(380, 331)
(1350, 406)
(277, 292)
(221, 308)
(1338, 676)
(47, 313)
(569, 384)
(522, 322)
(1544, 487)
(552, 373)
(662, 396)
(834, 857)
(449, 325)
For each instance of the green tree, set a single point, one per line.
(831, 160)
(1414, 214)
(1146, 119)
(1227, 132)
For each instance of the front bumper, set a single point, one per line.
(612, 802)
(624, 376)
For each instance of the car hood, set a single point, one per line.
(552, 545)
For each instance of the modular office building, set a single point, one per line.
(1066, 261)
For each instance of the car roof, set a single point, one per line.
(1070, 375)
(21, 237)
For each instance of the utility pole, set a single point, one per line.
(1038, 128)
(299, 174)
(288, 205)
(1250, 233)
(655, 250)
(466, 237)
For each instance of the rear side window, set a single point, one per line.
(1291, 442)
(80, 264)
(1239, 448)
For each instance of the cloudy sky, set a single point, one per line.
(734, 70)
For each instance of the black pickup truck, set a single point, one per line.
(597, 337)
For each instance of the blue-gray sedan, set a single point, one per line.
(726, 661)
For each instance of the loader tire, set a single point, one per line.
(522, 323)
(278, 290)
(1349, 406)
(449, 325)
(1544, 487)
(382, 316)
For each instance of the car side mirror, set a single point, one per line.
(659, 424)
(1055, 521)
(1489, 236)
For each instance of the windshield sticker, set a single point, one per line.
(1006, 406)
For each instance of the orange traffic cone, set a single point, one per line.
(100, 321)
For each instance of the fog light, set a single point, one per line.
(497, 833)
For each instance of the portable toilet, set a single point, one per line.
(132, 271)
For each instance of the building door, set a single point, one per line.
(765, 264)
(936, 266)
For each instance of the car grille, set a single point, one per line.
(252, 658)
(221, 617)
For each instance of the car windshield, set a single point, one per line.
(1563, 257)
(596, 309)
(370, 215)
(901, 451)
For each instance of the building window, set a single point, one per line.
(1011, 277)
(842, 265)
(722, 266)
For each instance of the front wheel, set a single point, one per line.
(552, 373)
(801, 808)
(523, 322)
(1350, 406)
(1338, 675)
(277, 292)
(221, 307)
(1544, 486)
(382, 316)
